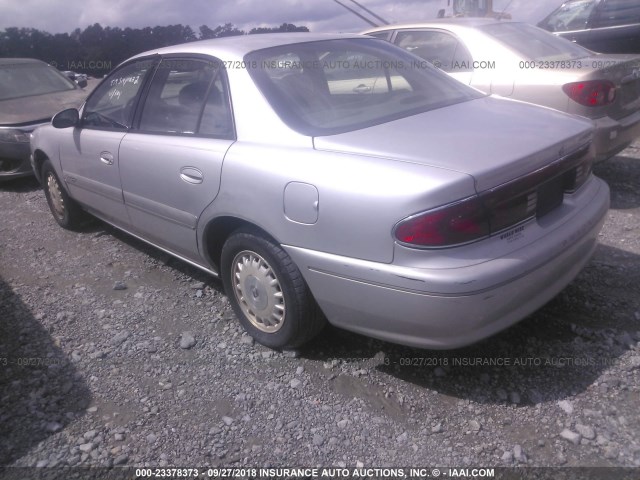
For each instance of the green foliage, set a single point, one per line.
(96, 50)
(285, 27)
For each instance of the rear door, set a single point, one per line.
(171, 163)
(572, 20)
(615, 27)
(90, 157)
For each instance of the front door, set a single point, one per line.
(90, 157)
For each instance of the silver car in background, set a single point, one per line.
(325, 177)
(523, 62)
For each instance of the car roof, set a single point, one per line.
(453, 23)
(238, 46)
(19, 61)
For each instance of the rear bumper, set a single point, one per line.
(613, 136)
(450, 308)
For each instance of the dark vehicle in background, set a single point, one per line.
(606, 26)
(31, 92)
(79, 78)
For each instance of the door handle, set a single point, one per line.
(106, 158)
(362, 88)
(191, 175)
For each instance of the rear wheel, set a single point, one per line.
(64, 209)
(267, 291)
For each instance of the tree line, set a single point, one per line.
(96, 49)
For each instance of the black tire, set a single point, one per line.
(64, 209)
(281, 312)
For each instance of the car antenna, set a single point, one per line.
(370, 12)
(501, 16)
(373, 24)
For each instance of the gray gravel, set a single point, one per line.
(116, 354)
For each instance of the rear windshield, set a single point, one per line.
(335, 86)
(533, 43)
(23, 80)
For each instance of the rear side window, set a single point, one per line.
(381, 35)
(187, 96)
(617, 12)
(216, 116)
(440, 48)
(572, 15)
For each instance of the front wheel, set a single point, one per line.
(267, 291)
(64, 209)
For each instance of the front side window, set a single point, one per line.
(440, 48)
(111, 105)
(617, 12)
(335, 86)
(534, 44)
(187, 96)
(572, 15)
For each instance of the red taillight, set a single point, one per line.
(499, 208)
(457, 223)
(593, 93)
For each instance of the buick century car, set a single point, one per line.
(31, 92)
(326, 178)
(519, 61)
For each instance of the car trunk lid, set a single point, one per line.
(493, 140)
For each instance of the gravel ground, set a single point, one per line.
(112, 353)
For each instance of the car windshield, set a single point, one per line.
(26, 79)
(533, 43)
(335, 86)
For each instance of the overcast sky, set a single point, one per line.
(56, 16)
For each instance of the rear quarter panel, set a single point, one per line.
(510, 75)
(542, 87)
(360, 198)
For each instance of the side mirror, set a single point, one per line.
(82, 82)
(66, 118)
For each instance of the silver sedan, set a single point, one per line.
(327, 177)
(526, 63)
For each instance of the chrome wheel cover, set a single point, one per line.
(258, 291)
(55, 194)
